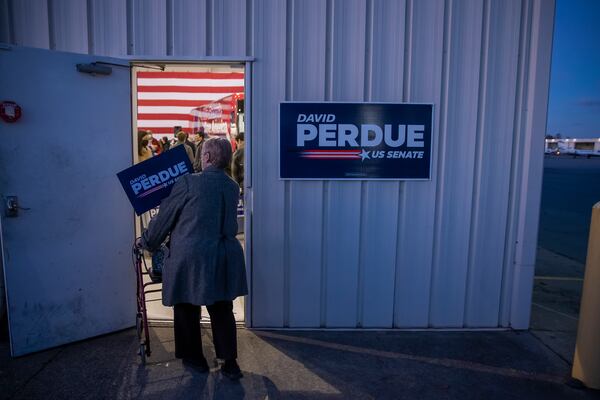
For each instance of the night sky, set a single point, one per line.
(574, 109)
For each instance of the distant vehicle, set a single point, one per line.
(575, 147)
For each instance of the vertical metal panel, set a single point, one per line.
(455, 174)
(533, 159)
(306, 71)
(109, 27)
(416, 221)
(149, 27)
(342, 254)
(5, 37)
(69, 21)
(268, 228)
(379, 227)
(516, 165)
(30, 23)
(189, 27)
(229, 27)
(378, 253)
(490, 199)
(342, 236)
(387, 47)
(5, 25)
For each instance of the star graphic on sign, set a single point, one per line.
(364, 154)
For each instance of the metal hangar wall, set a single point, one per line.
(457, 251)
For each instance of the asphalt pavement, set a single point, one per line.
(571, 187)
(301, 365)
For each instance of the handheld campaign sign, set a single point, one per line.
(148, 182)
(355, 141)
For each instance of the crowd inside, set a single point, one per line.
(149, 146)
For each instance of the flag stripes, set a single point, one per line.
(166, 99)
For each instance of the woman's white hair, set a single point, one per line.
(219, 150)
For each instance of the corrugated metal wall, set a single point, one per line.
(456, 251)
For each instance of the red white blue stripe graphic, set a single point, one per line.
(331, 154)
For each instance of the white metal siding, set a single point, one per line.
(456, 251)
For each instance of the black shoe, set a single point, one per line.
(199, 364)
(231, 369)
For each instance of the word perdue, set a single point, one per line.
(355, 141)
(164, 177)
(148, 182)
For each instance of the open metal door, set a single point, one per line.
(67, 252)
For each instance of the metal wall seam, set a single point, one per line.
(514, 193)
(248, 195)
(209, 27)
(287, 203)
(408, 37)
(130, 30)
(367, 80)
(269, 76)
(479, 140)
(6, 22)
(169, 15)
(90, 26)
(328, 94)
(249, 43)
(307, 27)
(51, 33)
(441, 137)
(345, 197)
(416, 238)
(401, 186)
(379, 224)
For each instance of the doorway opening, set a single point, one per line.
(184, 104)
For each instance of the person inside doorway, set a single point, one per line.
(205, 265)
(200, 137)
(237, 161)
(181, 141)
(166, 145)
(144, 151)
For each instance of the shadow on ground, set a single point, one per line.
(300, 365)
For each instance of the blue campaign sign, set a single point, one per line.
(355, 141)
(150, 181)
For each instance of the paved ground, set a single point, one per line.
(570, 189)
(355, 365)
(303, 365)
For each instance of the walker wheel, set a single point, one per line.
(142, 353)
(138, 325)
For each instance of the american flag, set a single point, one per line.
(166, 99)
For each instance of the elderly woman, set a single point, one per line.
(205, 265)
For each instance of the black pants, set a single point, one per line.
(188, 342)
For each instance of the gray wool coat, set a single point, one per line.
(205, 262)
